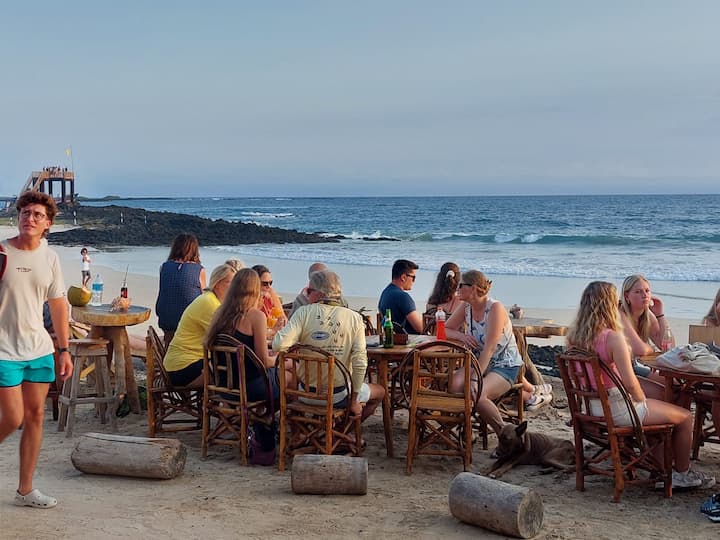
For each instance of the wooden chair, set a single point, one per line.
(440, 419)
(621, 451)
(315, 424)
(225, 396)
(429, 322)
(511, 407)
(170, 408)
(698, 333)
(704, 395)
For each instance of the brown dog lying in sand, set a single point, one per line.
(516, 446)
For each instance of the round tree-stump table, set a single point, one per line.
(111, 325)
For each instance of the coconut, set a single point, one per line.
(78, 296)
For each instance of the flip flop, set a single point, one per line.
(35, 499)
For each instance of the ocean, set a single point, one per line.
(669, 238)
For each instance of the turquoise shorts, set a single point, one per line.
(14, 373)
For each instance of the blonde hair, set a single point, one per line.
(711, 319)
(479, 282)
(642, 327)
(598, 310)
(231, 266)
(243, 294)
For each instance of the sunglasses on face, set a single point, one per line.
(464, 285)
(266, 283)
(411, 276)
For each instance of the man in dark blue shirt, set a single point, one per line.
(401, 305)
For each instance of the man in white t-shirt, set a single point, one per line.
(27, 366)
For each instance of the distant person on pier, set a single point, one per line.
(182, 279)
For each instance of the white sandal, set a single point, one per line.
(35, 499)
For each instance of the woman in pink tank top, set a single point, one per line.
(597, 327)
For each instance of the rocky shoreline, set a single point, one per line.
(122, 226)
(544, 358)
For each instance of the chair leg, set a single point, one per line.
(467, 454)
(412, 440)
(62, 417)
(205, 431)
(618, 468)
(283, 440)
(243, 438)
(667, 451)
(579, 463)
(73, 395)
(698, 429)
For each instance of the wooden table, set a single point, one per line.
(381, 358)
(111, 325)
(686, 382)
(528, 327)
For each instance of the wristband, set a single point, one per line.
(63, 349)
(659, 316)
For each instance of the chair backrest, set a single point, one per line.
(436, 367)
(315, 374)
(155, 356)
(582, 375)
(429, 323)
(407, 368)
(704, 334)
(224, 365)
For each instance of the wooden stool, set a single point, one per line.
(84, 351)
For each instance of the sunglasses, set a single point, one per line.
(464, 285)
(37, 216)
(266, 283)
(411, 276)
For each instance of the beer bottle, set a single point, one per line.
(388, 338)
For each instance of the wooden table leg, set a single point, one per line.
(531, 372)
(382, 368)
(125, 382)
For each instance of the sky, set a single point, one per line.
(333, 98)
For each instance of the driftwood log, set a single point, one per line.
(492, 504)
(100, 453)
(329, 475)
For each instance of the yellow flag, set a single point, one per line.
(68, 152)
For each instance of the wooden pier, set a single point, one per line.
(47, 180)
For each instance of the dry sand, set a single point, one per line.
(219, 498)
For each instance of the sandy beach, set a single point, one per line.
(218, 498)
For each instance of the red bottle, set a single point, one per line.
(440, 324)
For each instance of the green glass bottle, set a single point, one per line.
(388, 338)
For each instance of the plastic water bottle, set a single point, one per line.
(97, 291)
(440, 324)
